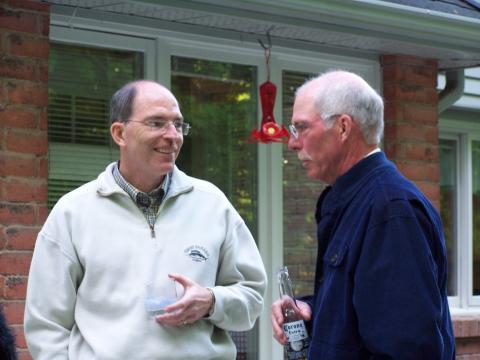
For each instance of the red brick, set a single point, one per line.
(42, 168)
(467, 326)
(26, 93)
(414, 172)
(27, 142)
(2, 138)
(410, 74)
(407, 60)
(393, 111)
(28, 5)
(13, 311)
(29, 46)
(44, 24)
(421, 152)
(21, 238)
(15, 263)
(410, 93)
(42, 214)
(18, 117)
(16, 68)
(17, 190)
(421, 75)
(18, 20)
(3, 49)
(3, 94)
(431, 190)
(15, 287)
(405, 132)
(19, 336)
(430, 135)
(3, 237)
(432, 172)
(17, 214)
(425, 115)
(43, 120)
(11, 165)
(394, 150)
(42, 71)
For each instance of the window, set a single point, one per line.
(81, 82)
(219, 99)
(448, 211)
(476, 215)
(460, 210)
(300, 195)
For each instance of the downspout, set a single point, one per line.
(454, 87)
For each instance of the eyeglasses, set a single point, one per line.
(160, 126)
(298, 128)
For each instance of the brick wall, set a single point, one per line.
(24, 46)
(411, 141)
(411, 120)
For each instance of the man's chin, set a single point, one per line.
(164, 168)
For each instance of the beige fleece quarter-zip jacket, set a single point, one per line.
(95, 255)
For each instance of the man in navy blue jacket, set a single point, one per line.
(380, 282)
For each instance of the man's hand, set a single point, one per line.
(302, 308)
(194, 304)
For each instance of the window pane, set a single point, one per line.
(476, 215)
(81, 82)
(448, 207)
(299, 198)
(220, 101)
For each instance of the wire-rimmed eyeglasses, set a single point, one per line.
(296, 129)
(162, 125)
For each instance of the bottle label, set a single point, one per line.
(298, 340)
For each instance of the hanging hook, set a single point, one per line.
(269, 39)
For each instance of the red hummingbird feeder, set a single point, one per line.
(269, 131)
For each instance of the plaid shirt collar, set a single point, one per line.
(143, 200)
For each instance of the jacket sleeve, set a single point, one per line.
(241, 282)
(51, 294)
(397, 296)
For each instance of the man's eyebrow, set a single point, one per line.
(160, 118)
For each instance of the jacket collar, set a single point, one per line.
(347, 185)
(179, 183)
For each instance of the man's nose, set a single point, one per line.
(170, 130)
(294, 143)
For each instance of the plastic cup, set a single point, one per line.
(159, 296)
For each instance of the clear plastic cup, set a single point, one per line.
(159, 296)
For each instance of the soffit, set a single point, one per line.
(366, 27)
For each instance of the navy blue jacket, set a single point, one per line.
(380, 283)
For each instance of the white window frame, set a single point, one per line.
(464, 133)
(159, 45)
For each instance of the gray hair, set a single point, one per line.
(343, 92)
(122, 101)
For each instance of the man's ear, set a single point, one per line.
(117, 130)
(345, 125)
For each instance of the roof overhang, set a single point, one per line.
(360, 28)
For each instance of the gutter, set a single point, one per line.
(454, 87)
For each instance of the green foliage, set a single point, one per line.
(220, 102)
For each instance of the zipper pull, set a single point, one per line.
(152, 231)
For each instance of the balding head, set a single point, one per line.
(121, 104)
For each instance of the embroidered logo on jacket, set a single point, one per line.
(197, 253)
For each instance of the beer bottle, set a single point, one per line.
(293, 324)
